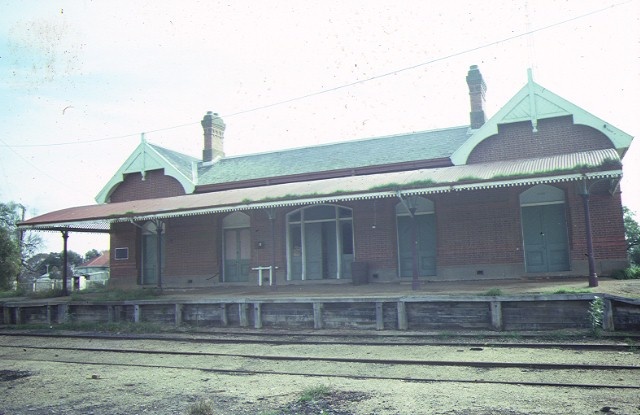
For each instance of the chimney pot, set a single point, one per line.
(477, 90)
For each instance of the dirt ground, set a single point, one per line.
(31, 383)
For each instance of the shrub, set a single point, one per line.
(12, 293)
(596, 314)
(631, 273)
(493, 292)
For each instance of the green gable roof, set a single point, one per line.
(532, 103)
(147, 157)
(403, 148)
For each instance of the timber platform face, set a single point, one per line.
(499, 305)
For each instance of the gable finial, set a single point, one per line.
(144, 157)
(533, 111)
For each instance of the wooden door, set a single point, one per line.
(237, 255)
(426, 238)
(544, 230)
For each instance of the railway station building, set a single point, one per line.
(532, 191)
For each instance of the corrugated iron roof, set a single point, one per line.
(101, 260)
(566, 167)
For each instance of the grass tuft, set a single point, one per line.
(46, 294)
(315, 393)
(493, 292)
(570, 290)
(201, 407)
(120, 327)
(116, 295)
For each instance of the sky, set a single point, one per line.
(80, 81)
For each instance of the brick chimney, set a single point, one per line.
(477, 89)
(213, 127)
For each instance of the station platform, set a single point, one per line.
(529, 286)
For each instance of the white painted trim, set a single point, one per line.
(526, 99)
(151, 161)
(557, 202)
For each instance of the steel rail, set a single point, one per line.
(404, 362)
(355, 377)
(331, 339)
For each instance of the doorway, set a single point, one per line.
(425, 222)
(150, 241)
(236, 247)
(544, 229)
(320, 243)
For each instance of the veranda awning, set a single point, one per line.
(598, 164)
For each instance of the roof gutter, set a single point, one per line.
(103, 224)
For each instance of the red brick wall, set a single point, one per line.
(192, 247)
(190, 250)
(473, 228)
(479, 227)
(555, 136)
(607, 226)
(155, 185)
(377, 246)
(124, 273)
(261, 233)
(484, 227)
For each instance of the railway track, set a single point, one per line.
(403, 362)
(262, 363)
(628, 343)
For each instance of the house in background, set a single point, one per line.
(94, 272)
(532, 191)
(45, 283)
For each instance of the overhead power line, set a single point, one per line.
(350, 84)
(439, 59)
(117, 137)
(35, 166)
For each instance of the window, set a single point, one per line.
(122, 254)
